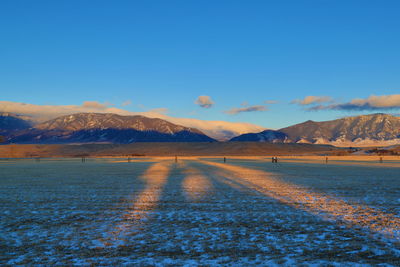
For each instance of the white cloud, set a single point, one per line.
(376, 101)
(46, 112)
(204, 101)
(373, 102)
(220, 130)
(94, 105)
(126, 103)
(308, 100)
(235, 111)
(159, 110)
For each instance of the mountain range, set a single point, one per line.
(366, 130)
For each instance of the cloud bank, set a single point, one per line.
(46, 112)
(308, 100)
(235, 111)
(126, 103)
(94, 105)
(373, 102)
(204, 101)
(269, 102)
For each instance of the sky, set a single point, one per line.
(270, 63)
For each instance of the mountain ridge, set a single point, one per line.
(85, 121)
(107, 128)
(363, 130)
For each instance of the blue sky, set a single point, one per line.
(165, 54)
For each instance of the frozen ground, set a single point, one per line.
(198, 212)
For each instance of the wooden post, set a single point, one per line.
(224, 159)
(326, 159)
(176, 159)
(381, 160)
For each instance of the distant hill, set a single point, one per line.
(107, 128)
(10, 123)
(365, 130)
(269, 136)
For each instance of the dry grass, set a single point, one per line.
(163, 149)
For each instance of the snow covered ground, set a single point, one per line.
(198, 212)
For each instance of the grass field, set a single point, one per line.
(200, 211)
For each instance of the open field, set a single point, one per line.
(200, 211)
